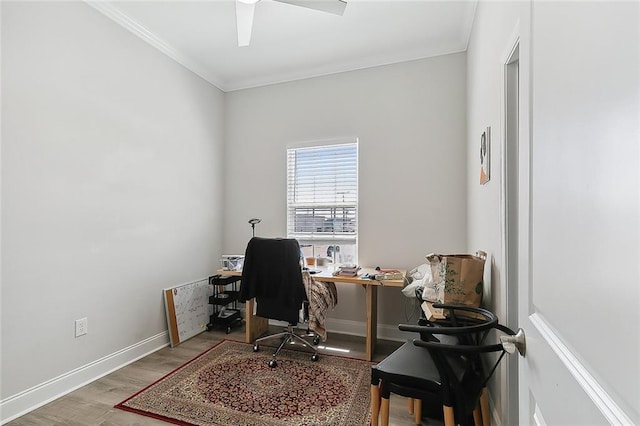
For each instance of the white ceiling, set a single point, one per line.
(291, 42)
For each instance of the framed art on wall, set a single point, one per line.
(485, 156)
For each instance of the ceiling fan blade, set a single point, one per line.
(244, 21)
(330, 6)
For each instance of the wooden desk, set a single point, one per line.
(257, 326)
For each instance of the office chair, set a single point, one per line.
(272, 274)
(446, 364)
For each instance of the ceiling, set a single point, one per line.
(291, 42)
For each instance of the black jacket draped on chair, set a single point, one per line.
(271, 274)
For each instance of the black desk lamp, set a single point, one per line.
(253, 222)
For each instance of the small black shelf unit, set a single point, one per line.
(225, 302)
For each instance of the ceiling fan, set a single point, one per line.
(245, 10)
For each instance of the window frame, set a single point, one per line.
(319, 238)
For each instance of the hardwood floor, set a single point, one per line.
(93, 404)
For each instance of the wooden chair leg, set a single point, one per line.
(477, 415)
(417, 418)
(484, 407)
(375, 404)
(384, 412)
(449, 416)
(410, 406)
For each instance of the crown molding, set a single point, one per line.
(356, 65)
(139, 30)
(471, 19)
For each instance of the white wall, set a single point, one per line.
(111, 191)
(492, 34)
(410, 120)
(585, 228)
(494, 27)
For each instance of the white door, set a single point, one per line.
(576, 210)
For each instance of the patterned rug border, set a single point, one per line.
(123, 407)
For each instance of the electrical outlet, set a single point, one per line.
(82, 327)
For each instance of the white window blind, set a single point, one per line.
(322, 194)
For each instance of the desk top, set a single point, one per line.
(326, 275)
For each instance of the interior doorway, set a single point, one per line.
(510, 223)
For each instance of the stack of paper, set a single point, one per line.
(348, 271)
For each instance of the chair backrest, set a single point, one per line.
(459, 351)
(272, 274)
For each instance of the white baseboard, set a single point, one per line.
(358, 328)
(39, 395)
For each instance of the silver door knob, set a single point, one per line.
(517, 341)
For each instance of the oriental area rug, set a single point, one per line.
(231, 385)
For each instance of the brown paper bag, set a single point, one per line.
(456, 279)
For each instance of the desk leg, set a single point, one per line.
(372, 320)
(255, 326)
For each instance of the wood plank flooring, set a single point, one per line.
(93, 404)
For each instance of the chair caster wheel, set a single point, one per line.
(316, 340)
(273, 363)
(315, 357)
(228, 330)
(256, 348)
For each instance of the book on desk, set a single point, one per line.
(388, 274)
(347, 271)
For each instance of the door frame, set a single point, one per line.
(511, 207)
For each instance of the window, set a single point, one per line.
(322, 199)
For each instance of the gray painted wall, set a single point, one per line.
(492, 36)
(410, 121)
(111, 187)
